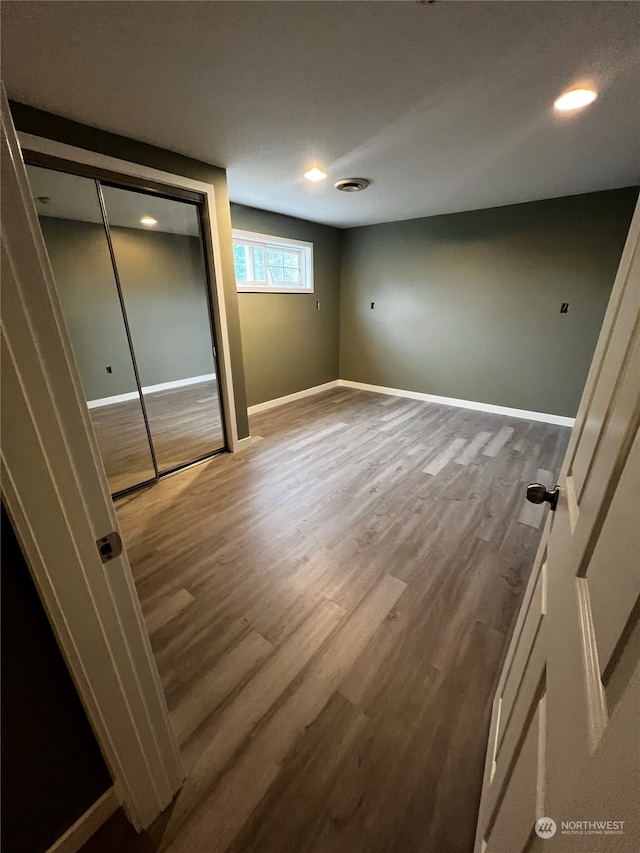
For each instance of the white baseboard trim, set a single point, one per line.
(289, 398)
(560, 420)
(87, 824)
(243, 443)
(149, 389)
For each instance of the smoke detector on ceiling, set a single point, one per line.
(44, 199)
(352, 185)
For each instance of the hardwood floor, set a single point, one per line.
(329, 610)
(184, 422)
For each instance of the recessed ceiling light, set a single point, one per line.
(148, 220)
(575, 99)
(315, 174)
(352, 185)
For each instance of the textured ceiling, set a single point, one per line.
(444, 106)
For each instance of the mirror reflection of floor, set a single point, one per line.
(184, 422)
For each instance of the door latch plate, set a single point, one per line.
(109, 546)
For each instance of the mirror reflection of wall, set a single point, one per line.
(74, 233)
(134, 297)
(164, 285)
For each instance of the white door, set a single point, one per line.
(55, 491)
(563, 769)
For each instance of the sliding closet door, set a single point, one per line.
(161, 270)
(72, 224)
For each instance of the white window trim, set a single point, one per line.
(264, 287)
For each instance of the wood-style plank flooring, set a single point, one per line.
(329, 610)
(184, 422)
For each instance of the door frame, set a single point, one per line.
(57, 496)
(106, 168)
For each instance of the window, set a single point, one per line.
(267, 264)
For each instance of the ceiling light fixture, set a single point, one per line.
(315, 174)
(575, 99)
(148, 220)
(352, 185)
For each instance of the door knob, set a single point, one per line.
(537, 494)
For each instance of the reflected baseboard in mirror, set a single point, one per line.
(182, 430)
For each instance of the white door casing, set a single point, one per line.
(565, 727)
(56, 493)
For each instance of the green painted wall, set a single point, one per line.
(163, 282)
(41, 123)
(288, 344)
(468, 305)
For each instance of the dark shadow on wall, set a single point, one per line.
(52, 767)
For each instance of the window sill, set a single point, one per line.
(256, 288)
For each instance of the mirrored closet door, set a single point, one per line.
(164, 287)
(130, 271)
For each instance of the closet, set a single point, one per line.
(131, 274)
